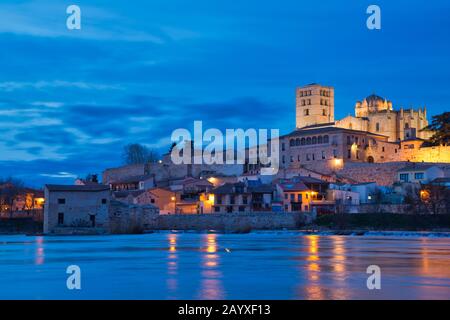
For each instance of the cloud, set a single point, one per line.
(55, 84)
(47, 19)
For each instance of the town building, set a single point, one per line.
(242, 197)
(420, 173)
(76, 206)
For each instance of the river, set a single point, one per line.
(258, 265)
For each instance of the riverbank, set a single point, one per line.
(341, 224)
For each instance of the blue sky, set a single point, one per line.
(69, 100)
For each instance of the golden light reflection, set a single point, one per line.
(211, 284)
(172, 266)
(313, 290)
(339, 274)
(40, 253)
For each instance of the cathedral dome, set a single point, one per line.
(374, 99)
(377, 103)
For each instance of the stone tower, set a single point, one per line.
(314, 105)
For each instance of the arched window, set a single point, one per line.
(406, 125)
(297, 141)
(370, 159)
(320, 140)
(303, 141)
(314, 140)
(326, 139)
(292, 142)
(308, 140)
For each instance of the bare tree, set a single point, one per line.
(135, 153)
(10, 189)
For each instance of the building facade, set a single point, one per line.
(76, 206)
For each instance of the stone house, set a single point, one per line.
(302, 193)
(242, 197)
(71, 206)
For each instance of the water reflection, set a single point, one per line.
(172, 267)
(39, 253)
(211, 284)
(339, 274)
(313, 289)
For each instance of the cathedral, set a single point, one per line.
(315, 106)
(375, 134)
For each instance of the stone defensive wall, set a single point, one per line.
(231, 222)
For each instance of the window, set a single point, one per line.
(326, 139)
(60, 218)
(283, 160)
(291, 142)
(62, 201)
(104, 201)
(324, 112)
(241, 208)
(309, 102)
(303, 141)
(286, 207)
(216, 209)
(286, 196)
(219, 199)
(232, 199)
(308, 140)
(334, 153)
(307, 157)
(314, 140)
(349, 153)
(377, 127)
(303, 102)
(229, 209)
(306, 112)
(418, 175)
(244, 199)
(382, 149)
(152, 200)
(313, 156)
(282, 147)
(320, 140)
(292, 197)
(323, 155)
(298, 158)
(307, 196)
(404, 177)
(292, 159)
(349, 140)
(299, 197)
(297, 141)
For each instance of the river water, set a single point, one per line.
(260, 265)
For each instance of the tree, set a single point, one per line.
(92, 177)
(10, 188)
(135, 153)
(440, 125)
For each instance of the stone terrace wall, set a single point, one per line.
(384, 174)
(233, 222)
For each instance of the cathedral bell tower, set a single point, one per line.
(314, 105)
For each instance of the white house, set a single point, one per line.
(420, 173)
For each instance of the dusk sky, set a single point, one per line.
(71, 99)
